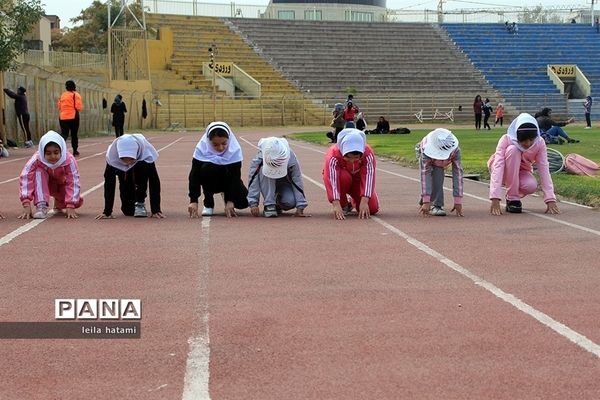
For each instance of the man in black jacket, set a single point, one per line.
(22, 111)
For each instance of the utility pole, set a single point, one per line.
(212, 52)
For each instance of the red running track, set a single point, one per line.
(398, 306)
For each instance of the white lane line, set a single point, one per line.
(563, 330)
(543, 216)
(197, 372)
(545, 319)
(32, 224)
(14, 159)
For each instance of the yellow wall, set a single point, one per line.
(160, 51)
(131, 86)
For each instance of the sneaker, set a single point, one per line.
(437, 211)
(588, 127)
(514, 206)
(208, 211)
(28, 144)
(42, 211)
(270, 211)
(348, 209)
(572, 140)
(76, 153)
(140, 210)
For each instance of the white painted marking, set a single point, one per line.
(14, 159)
(545, 319)
(197, 372)
(563, 330)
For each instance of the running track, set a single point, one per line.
(396, 307)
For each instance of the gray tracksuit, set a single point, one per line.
(286, 192)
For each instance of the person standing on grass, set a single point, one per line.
(487, 111)
(22, 111)
(587, 108)
(512, 166)
(435, 152)
(499, 114)
(69, 107)
(477, 110)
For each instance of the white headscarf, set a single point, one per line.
(206, 152)
(523, 118)
(52, 137)
(351, 139)
(133, 145)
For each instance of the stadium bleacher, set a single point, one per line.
(516, 64)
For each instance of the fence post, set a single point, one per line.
(283, 111)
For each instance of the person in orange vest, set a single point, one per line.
(69, 107)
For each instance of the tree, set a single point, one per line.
(91, 35)
(16, 20)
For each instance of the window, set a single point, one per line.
(313, 15)
(286, 15)
(357, 16)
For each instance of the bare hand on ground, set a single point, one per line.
(495, 207)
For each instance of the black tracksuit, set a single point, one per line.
(133, 185)
(213, 178)
(21, 110)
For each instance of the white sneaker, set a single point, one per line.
(208, 211)
(41, 213)
(140, 210)
(437, 211)
(588, 127)
(28, 143)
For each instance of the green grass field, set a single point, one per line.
(476, 148)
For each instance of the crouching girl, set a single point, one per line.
(275, 174)
(51, 171)
(349, 170)
(131, 159)
(511, 166)
(217, 168)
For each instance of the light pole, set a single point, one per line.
(212, 52)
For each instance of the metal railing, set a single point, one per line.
(533, 14)
(64, 59)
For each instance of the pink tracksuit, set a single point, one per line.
(354, 179)
(38, 182)
(512, 167)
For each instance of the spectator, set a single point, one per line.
(477, 109)
(361, 122)
(69, 107)
(587, 107)
(350, 111)
(499, 114)
(383, 126)
(3, 151)
(551, 130)
(118, 110)
(337, 122)
(597, 24)
(487, 111)
(22, 111)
